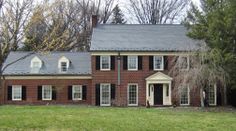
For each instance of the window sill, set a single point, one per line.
(46, 99)
(16, 99)
(158, 69)
(132, 105)
(105, 69)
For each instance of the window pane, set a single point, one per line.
(77, 92)
(183, 62)
(105, 94)
(36, 64)
(158, 62)
(132, 61)
(47, 92)
(184, 96)
(211, 95)
(105, 62)
(63, 66)
(132, 92)
(17, 92)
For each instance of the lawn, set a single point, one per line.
(109, 119)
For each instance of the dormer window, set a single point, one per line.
(35, 65)
(63, 64)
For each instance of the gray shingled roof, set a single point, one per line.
(80, 63)
(141, 38)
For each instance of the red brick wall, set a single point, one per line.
(61, 87)
(130, 77)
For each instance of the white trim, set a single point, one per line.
(188, 96)
(147, 53)
(66, 60)
(35, 59)
(16, 86)
(44, 86)
(46, 77)
(136, 57)
(73, 91)
(109, 63)
(215, 93)
(136, 94)
(109, 104)
(154, 63)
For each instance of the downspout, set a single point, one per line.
(118, 77)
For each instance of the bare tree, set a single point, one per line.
(205, 70)
(157, 11)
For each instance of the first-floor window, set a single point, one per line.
(184, 96)
(212, 95)
(77, 92)
(16, 92)
(47, 92)
(105, 94)
(132, 94)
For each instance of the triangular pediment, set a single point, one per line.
(159, 76)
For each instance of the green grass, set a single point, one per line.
(127, 119)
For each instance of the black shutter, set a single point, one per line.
(54, 93)
(113, 62)
(97, 94)
(125, 62)
(97, 62)
(113, 91)
(9, 93)
(140, 62)
(84, 91)
(39, 92)
(69, 92)
(150, 62)
(23, 93)
(165, 62)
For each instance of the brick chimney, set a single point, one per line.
(94, 21)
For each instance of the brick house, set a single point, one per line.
(127, 65)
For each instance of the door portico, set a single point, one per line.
(155, 81)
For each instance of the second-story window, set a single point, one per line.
(132, 62)
(158, 63)
(184, 62)
(105, 62)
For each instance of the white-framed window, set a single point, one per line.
(63, 64)
(132, 62)
(105, 62)
(158, 62)
(77, 92)
(132, 94)
(184, 62)
(35, 65)
(212, 95)
(105, 94)
(184, 95)
(47, 92)
(16, 92)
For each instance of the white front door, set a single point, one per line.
(105, 95)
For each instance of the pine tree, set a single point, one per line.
(118, 16)
(215, 25)
(35, 31)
